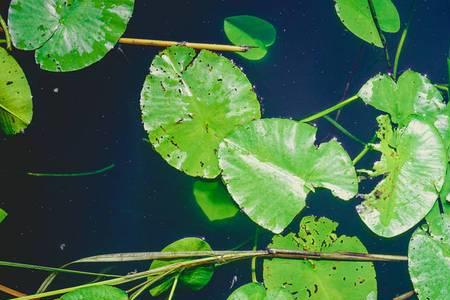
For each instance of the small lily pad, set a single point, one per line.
(3, 215)
(320, 279)
(270, 165)
(16, 107)
(68, 34)
(190, 102)
(256, 291)
(101, 292)
(250, 31)
(195, 278)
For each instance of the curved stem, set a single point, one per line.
(399, 52)
(361, 154)
(95, 172)
(330, 109)
(7, 35)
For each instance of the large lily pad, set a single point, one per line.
(3, 215)
(250, 31)
(357, 17)
(413, 164)
(270, 166)
(16, 107)
(190, 103)
(102, 292)
(255, 291)
(68, 34)
(195, 278)
(321, 280)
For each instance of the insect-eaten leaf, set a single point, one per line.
(68, 35)
(413, 163)
(429, 256)
(214, 200)
(101, 292)
(250, 31)
(190, 102)
(270, 165)
(320, 279)
(256, 291)
(195, 278)
(356, 15)
(3, 215)
(16, 107)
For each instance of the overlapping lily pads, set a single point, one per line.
(256, 291)
(101, 292)
(270, 166)
(68, 34)
(321, 280)
(16, 107)
(190, 103)
(413, 164)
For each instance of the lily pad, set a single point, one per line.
(445, 191)
(413, 164)
(101, 292)
(3, 215)
(250, 31)
(190, 103)
(255, 291)
(320, 279)
(68, 35)
(214, 200)
(195, 278)
(16, 107)
(270, 166)
(357, 17)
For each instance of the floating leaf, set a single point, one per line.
(413, 162)
(3, 215)
(250, 31)
(255, 291)
(270, 166)
(320, 279)
(445, 191)
(16, 107)
(357, 17)
(68, 34)
(190, 103)
(214, 200)
(101, 292)
(194, 279)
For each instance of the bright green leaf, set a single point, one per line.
(190, 103)
(270, 166)
(16, 107)
(357, 17)
(413, 164)
(214, 200)
(195, 278)
(68, 34)
(101, 292)
(445, 191)
(255, 291)
(3, 215)
(250, 31)
(320, 279)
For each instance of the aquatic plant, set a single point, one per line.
(204, 119)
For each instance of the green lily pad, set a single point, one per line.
(429, 257)
(445, 191)
(357, 17)
(16, 107)
(195, 278)
(190, 103)
(68, 35)
(214, 200)
(250, 31)
(270, 166)
(413, 164)
(101, 292)
(320, 279)
(3, 215)
(255, 291)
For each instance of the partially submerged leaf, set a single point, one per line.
(357, 17)
(190, 103)
(270, 166)
(413, 164)
(320, 279)
(16, 107)
(256, 291)
(68, 35)
(250, 31)
(3, 215)
(195, 278)
(214, 200)
(101, 292)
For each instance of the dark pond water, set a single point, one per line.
(89, 119)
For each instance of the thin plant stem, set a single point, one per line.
(88, 173)
(405, 296)
(10, 291)
(442, 87)
(399, 52)
(160, 43)
(145, 285)
(174, 286)
(365, 150)
(330, 109)
(7, 35)
(253, 264)
(380, 33)
(343, 130)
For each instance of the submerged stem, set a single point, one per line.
(7, 35)
(88, 173)
(330, 109)
(343, 130)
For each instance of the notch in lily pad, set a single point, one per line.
(250, 31)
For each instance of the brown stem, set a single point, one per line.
(10, 291)
(405, 296)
